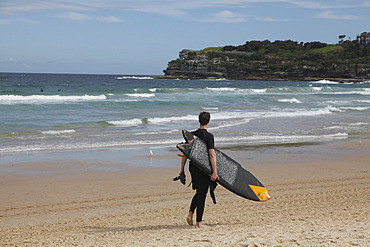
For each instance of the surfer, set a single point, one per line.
(200, 180)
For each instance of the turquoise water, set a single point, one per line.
(53, 113)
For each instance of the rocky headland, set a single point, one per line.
(278, 60)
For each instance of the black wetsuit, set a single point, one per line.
(200, 180)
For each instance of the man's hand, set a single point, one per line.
(214, 177)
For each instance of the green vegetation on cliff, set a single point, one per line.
(275, 60)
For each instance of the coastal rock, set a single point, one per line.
(326, 62)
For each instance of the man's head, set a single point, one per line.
(204, 118)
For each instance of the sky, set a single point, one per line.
(139, 37)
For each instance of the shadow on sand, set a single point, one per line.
(145, 228)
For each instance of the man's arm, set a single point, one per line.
(212, 157)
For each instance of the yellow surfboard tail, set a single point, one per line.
(261, 192)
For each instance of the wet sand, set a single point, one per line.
(318, 200)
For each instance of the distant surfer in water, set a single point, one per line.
(200, 180)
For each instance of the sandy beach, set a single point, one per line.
(317, 200)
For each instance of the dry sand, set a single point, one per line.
(316, 201)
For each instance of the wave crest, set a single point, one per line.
(41, 99)
(134, 77)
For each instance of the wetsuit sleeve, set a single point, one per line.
(210, 141)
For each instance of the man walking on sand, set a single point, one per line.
(200, 180)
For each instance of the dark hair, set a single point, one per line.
(204, 118)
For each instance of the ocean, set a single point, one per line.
(117, 118)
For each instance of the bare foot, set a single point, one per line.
(189, 219)
(200, 225)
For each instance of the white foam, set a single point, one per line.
(141, 95)
(325, 82)
(222, 89)
(157, 132)
(358, 124)
(302, 112)
(229, 119)
(347, 126)
(335, 109)
(217, 79)
(134, 77)
(230, 124)
(126, 123)
(41, 99)
(337, 82)
(238, 90)
(242, 117)
(268, 139)
(256, 139)
(57, 132)
(163, 120)
(337, 102)
(294, 100)
(159, 120)
(364, 82)
(210, 108)
(92, 145)
(316, 89)
(362, 91)
(235, 115)
(259, 91)
(355, 108)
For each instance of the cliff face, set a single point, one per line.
(303, 64)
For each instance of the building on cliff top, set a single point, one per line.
(363, 38)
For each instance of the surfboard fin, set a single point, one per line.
(184, 148)
(189, 137)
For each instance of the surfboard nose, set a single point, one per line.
(184, 148)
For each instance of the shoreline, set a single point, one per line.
(317, 200)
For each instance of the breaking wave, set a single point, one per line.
(48, 99)
(134, 77)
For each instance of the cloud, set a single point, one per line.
(319, 4)
(177, 8)
(269, 19)
(110, 19)
(330, 15)
(5, 22)
(30, 21)
(23, 7)
(13, 61)
(75, 16)
(169, 9)
(10, 60)
(226, 16)
(26, 20)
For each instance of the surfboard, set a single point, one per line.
(232, 175)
